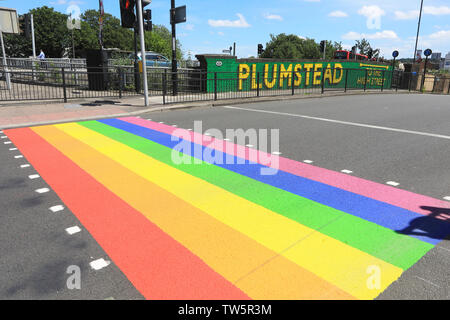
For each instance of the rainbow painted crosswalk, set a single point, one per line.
(222, 230)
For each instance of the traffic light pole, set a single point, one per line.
(174, 49)
(5, 64)
(142, 40)
(137, 76)
(32, 37)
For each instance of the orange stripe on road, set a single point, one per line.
(257, 271)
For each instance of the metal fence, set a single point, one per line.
(189, 85)
(204, 86)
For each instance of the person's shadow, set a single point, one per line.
(435, 225)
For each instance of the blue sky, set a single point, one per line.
(214, 25)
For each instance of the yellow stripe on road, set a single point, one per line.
(332, 260)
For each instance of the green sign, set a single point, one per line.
(267, 74)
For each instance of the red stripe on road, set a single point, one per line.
(158, 266)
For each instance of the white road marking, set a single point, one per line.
(427, 281)
(346, 171)
(42, 190)
(346, 123)
(149, 119)
(276, 153)
(207, 134)
(18, 157)
(3, 137)
(33, 176)
(174, 125)
(447, 198)
(249, 145)
(99, 264)
(56, 208)
(162, 122)
(308, 161)
(12, 149)
(7, 142)
(25, 166)
(393, 183)
(443, 248)
(73, 230)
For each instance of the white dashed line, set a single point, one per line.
(162, 122)
(447, 198)
(149, 119)
(393, 183)
(18, 157)
(33, 176)
(207, 134)
(308, 161)
(346, 171)
(249, 145)
(12, 149)
(175, 126)
(7, 142)
(99, 264)
(73, 230)
(56, 208)
(25, 166)
(276, 153)
(189, 129)
(226, 139)
(42, 190)
(3, 137)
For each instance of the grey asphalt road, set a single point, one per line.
(401, 138)
(35, 249)
(381, 138)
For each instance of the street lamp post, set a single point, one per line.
(418, 31)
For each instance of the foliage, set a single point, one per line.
(364, 47)
(54, 38)
(291, 46)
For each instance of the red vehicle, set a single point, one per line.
(348, 55)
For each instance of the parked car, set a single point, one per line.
(153, 59)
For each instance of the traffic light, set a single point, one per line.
(322, 46)
(148, 25)
(25, 25)
(127, 13)
(260, 49)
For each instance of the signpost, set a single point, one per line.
(177, 15)
(9, 23)
(427, 53)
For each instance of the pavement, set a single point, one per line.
(31, 113)
(393, 148)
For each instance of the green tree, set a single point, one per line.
(51, 35)
(291, 46)
(364, 47)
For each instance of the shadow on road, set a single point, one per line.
(436, 225)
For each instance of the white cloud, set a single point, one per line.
(414, 14)
(436, 11)
(373, 15)
(440, 35)
(273, 17)
(240, 23)
(301, 37)
(386, 34)
(406, 15)
(338, 14)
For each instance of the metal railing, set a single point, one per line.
(189, 85)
